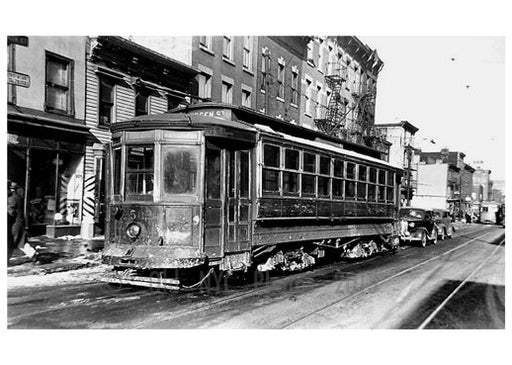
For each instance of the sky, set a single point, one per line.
(451, 88)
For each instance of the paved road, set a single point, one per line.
(459, 283)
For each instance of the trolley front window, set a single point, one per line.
(139, 172)
(180, 170)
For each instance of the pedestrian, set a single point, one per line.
(18, 228)
(11, 218)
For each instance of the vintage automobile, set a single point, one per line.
(444, 223)
(418, 225)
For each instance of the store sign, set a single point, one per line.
(18, 79)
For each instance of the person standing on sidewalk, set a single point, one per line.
(11, 219)
(18, 228)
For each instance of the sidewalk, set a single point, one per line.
(56, 255)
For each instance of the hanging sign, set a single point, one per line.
(18, 79)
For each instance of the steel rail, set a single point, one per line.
(441, 306)
(380, 282)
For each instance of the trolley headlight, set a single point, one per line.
(133, 230)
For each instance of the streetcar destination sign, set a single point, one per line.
(18, 79)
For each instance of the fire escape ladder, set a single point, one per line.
(334, 119)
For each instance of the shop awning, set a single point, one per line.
(23, 119)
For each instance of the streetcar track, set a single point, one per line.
(452, 294)
(200, 307)
(233, 298)
(422, 263)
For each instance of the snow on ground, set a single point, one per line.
(84, 274)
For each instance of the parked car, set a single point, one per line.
(418, 225)
(443, 221)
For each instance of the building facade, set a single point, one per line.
(459, 179)
(46, 129)
(403, 152)
(278, 75)
(227, 67)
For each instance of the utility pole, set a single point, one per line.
(408, 171)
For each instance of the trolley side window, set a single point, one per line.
(271, 179)
(180, 170)
(390, 191)
(139, 172)
(291, 178)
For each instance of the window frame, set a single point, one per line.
(144, 171)
(141, 93)
(295, 171)
(227, 48)
(204, 88)
(271, 169)
(247, 53)
(281, 74)
(227, 97)
(101, 102)
(69, 88)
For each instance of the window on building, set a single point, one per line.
(247, 58)
(295, 87)
(308, 97)
(321, 65)
(264, 70)
(319, 105)
(246, 98)
(205, 42)
(59, 86)
(309, 56)
(141, 102)
(280, 80)
(106, 102)
(227, 48)
(205, 85)
(227, 92)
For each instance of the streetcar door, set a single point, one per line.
(214, 194)
(238, 199)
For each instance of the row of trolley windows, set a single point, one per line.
(292, 172)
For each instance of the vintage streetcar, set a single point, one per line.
(221, 187)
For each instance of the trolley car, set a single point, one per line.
(220, 186)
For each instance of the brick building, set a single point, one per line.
(278, 75)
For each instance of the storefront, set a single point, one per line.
(46, 158)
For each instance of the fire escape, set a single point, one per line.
(358, 129)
